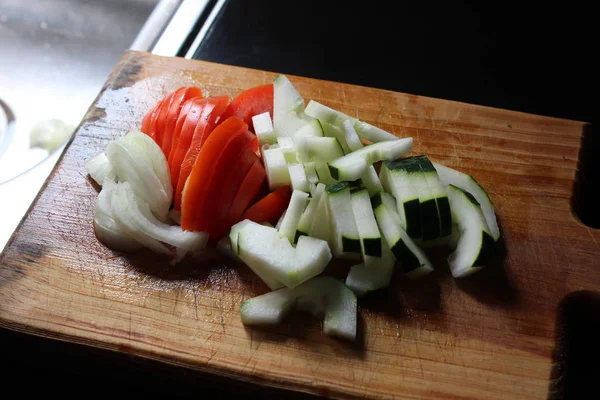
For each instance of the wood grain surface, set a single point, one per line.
(491, 336)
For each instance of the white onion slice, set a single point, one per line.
(140, 175)
(122, 216)
(100, 168)
(141, 217)
(106, 229)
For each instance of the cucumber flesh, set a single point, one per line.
(298, 177)
(318, 149)
(400, 186)
(321, 226)
(469, 184)
(438, 192)
(374, 274)
(476, 242)
(268, 253)
(311, 172)
(263, 128)
(368, 231)
(293, 213)
(308, 216)
(335, 117)
(323, 173)
(275, 167)
(370, 180)
(288, 147)
(352, 166)
(336, 132)
(311, 129)
(413, 260)
(347, 239)
(288, 108)
(352, 138)
(323, 296)
(273, 284)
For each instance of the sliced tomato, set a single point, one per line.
(152, 120)
(213, 108)
(183, 115)
(158, 130)
(180, 96)
(251, 102)
(200, 199)
(146, 122)
(270, 207)
(248, 189)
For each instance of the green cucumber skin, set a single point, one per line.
(336, 187)
(487, 246)
(372, 247)
(429, 220)
(408, 260)
(351, 245)
(412, 211)
(445, 216)
(334, 172)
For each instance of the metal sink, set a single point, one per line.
(55, 55)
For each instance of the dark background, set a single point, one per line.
(536, 58)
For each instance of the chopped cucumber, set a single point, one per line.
(469, 184)
(399, 184)
(368, 231)
(288, 147)
(318, 149)
(334, 117)
(273, 284)
(298, 177)
(308, 216)
(476, 242)
(311, 129)
(268, 253)
(352, 138)
(263, 127)
(437, 191)
(288, 108)
(413, 260)
(323, 173)
(371, 181)
(335, 132)
(293, 213)
(323, 296)
(321, 226)
(347, 239)
(311, 172)
(374, 274)
(275, 166)
(352, 166)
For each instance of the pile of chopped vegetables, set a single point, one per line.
(284, 188)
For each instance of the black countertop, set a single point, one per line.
(500, 55)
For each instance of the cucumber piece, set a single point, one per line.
(374, 274)
(352, 166)
(351, 137)
(399, 184)
(318, 149)
(335, 132)
(263, 128)
(371, 182)
(346, 237)
(334, 117)
(469, 184)
(370, 238)
(288, 148)
(311, 172)
(292, 216)
(308, 216)
(311, 129)
(321, 226)
(298, 177)
(413, 260)
(476, 242)
(323, 173)
(273, 284)
(437, 191)
(323, 296)
(288, 108)
(275, 166)
(266, 252)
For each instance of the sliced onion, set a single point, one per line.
(100, 168)
(154, 155)
(122, 216)
(105, 227)
(140, 175)
(141, 217)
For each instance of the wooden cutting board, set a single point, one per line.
(490, 336)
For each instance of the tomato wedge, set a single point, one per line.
(270, 207)
(247, 192)
(222, 149)
(251, 102)
(198, 125)
(180, 96)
